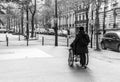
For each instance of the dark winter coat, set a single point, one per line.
(80, 43)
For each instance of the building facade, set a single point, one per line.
(112, 19)
(109, 16)
(66, 20)
(80, 16)
(73, 19)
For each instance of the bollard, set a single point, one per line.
(27, 40)
(67, 41)
(42, 41)
(19, 37)
(7, 40)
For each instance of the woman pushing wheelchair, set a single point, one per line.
(79, 48)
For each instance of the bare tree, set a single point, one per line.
(33, 11)
(2, 13)
(47, 13)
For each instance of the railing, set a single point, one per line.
(41, 40)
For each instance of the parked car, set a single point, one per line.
(60, 32)
(11, 31)
(43, 31)
(3, 30)
(64, 33)
(51, 31)
(111, 40)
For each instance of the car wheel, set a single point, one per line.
(103, 46)
(118, 48)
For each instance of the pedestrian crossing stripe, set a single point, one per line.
(25, 53)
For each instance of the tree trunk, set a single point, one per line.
(32, 24)
(22, 18)
(32, 21)
(92, 31)
(27, 24)
(97, 28)
(14, 24)
(56, 25)
(59, 21)
(114, 15)
(87, 19)
(8, 23)
(104, 15)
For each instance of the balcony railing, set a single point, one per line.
(81, 10)
(81, 21)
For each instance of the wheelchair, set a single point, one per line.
(72, 60)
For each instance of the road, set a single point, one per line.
(49, 64)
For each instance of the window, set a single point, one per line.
(114, 3)
(82, 5)
(83, 16)
(79, 16)
(107, 35)
(115, 36)
(79, 7)
(106, 7)
(111, 35)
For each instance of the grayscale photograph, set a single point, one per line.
(59, 40)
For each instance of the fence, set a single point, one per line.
(42, 40)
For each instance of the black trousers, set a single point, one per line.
(82, 59)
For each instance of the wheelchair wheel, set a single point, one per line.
(71, 58)
(87, 58)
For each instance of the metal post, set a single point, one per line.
(42, 41)
(19, 36)
(19, 32)
(7, 40)
(56, 26)
(67, 40)
(27, 40)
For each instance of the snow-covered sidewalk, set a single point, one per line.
(14, 42)
(107, 55)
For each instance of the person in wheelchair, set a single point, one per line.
(80, 45)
